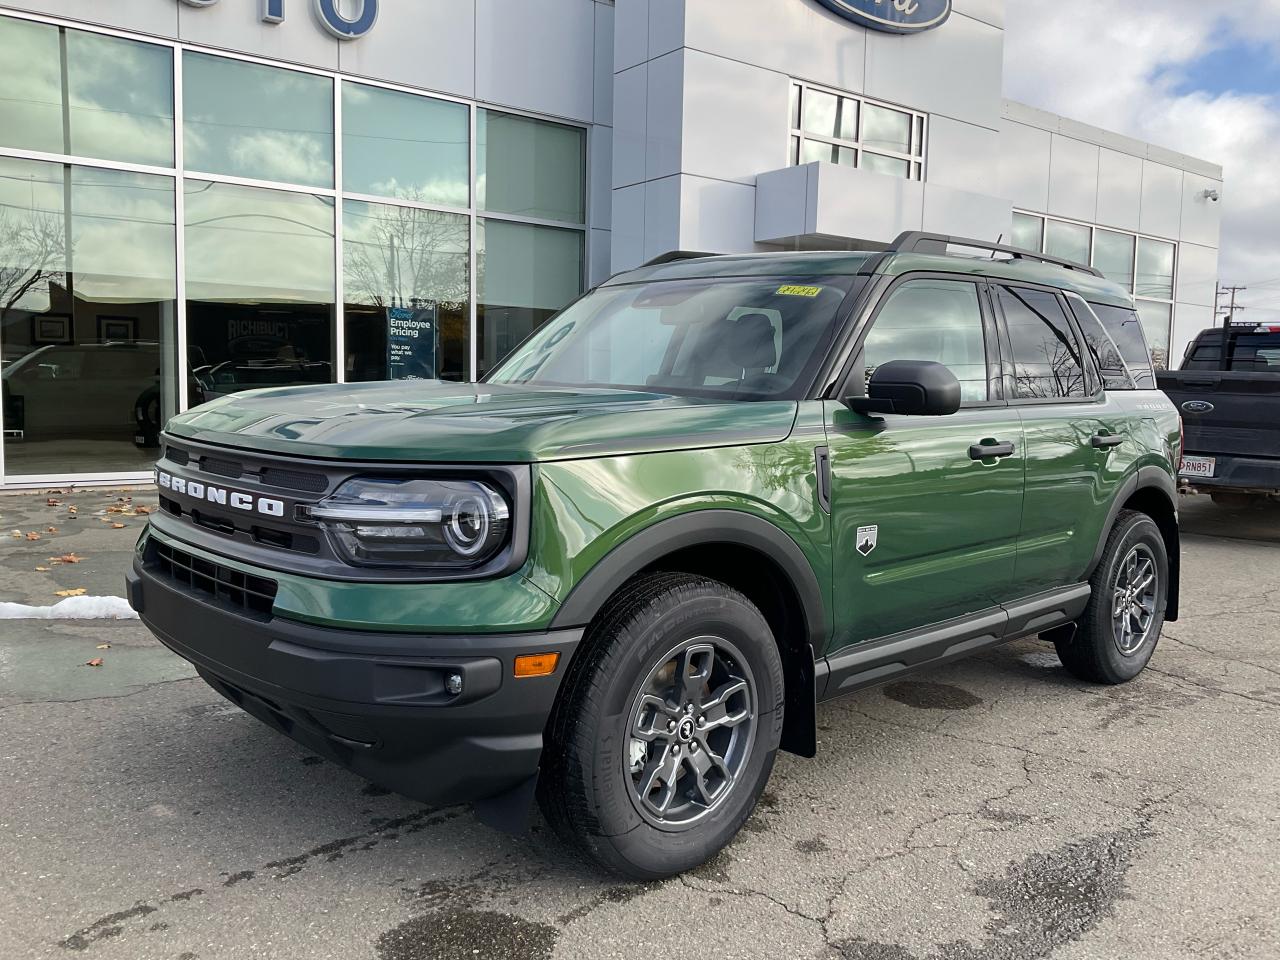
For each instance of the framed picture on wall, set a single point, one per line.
(50, 328)
(118, 328)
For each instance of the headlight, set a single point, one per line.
(418, 524)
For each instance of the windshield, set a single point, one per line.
(747, 338)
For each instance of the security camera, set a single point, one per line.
(1212, 195)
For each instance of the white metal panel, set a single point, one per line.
(239, 27)
(717, 216)
(661, 217)
(1119, 190)
(664, 110)
(1197, 274)
(666, 26)
(428, 45)
(630, 125)
(962, 155)
(1073, 179)
(627, 237)
(782, 203)
(1188, 320)
(988, 11)
(1024, 165)
(966, 214)
(1161, 199)
(598, 258)
(603, 74)
(159, 19)
(536, 56)
(1201, 217)
(600, 169)
(800, 38)
(955, 70)
(630, 33)
(735, 118)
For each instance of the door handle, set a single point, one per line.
(990, 450)
(1105, 441)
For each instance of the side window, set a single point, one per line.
(1125, 328)
(1105, 353)
(939, 320)
(1047, 362)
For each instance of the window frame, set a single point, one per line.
(917, 153)
(1094, 390)
(851, 382)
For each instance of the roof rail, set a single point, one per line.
(913, 240)
(672, 256)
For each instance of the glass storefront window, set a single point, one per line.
(1155, 269)
(524, 274)
(1067, 240)
(260, 288)
(828, 153)
(116, 102)
(406, 281)
(888, 165)
(530, 168)
(87, 316)
(884, 129)
(1157, 325)
(1028, 232)
(404, 147)
(1113, 255)
(263, 123)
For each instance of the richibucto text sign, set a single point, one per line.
(894, 16)
(328, 13)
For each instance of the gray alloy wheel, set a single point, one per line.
(692, 726)
(1134, 596)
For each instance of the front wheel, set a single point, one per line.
(667, 728)
(1118, 633)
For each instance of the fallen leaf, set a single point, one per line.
(17, 534)
(142, 511)
(104, 646)
(52, 530)
(51, 502)
(67, 558)
(72, 509)
(78, 592)
(118, 526)
(42, 569)
(33, 537)
(95, 662)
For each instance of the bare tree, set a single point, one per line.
(408, 257)
(32, 252)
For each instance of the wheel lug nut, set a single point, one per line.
(693, 748)
(671, 726)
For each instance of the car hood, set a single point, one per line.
(428, 421)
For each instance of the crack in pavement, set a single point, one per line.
(122, 696)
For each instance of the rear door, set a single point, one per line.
(925, 528)
(1078, 443)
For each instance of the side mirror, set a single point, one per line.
(920, 388)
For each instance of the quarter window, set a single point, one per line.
(938, 320)
(1047, 360)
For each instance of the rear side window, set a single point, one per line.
(1106, 355)
(1125, 329)
(1256, 352)
(1047, 359)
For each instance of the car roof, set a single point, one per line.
(848, 263)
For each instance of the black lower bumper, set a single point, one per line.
(376, 703)
(1242, 474)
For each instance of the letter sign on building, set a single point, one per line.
(328, 12)
(893, 16)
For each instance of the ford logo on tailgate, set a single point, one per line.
(894, 16)
(1197, 406)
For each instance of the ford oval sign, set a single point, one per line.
(1198, 406)
(893, 16)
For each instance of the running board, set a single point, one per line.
(878, 661)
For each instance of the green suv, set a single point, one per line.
(620, 572)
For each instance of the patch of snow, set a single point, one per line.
(72, 608)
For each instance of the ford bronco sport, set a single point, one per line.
(620, 572)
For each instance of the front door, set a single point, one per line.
(925, 510)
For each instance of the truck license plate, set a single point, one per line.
(1198, 466)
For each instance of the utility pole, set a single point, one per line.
(1224, 362)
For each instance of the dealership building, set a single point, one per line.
(204, 196)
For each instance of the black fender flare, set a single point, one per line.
(1148, 478)
(737, 528)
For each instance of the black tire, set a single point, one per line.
(1101, 651)
(589, 790)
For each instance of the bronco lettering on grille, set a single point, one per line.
(220, 495)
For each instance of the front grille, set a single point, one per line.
(180, 457)
(242, 591)
(223, 468)
(311, 482)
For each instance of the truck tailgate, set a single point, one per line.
(1227, 413)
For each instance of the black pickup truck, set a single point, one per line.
(1230, 408)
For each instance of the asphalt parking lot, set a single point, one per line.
(996, 809)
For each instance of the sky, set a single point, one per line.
(1198, 76)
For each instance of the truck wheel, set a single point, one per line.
(1120, 628)
(667, 727)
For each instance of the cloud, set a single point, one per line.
(1125, 67)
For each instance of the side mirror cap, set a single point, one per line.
(922, 388)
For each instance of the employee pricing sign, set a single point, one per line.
(411, 343)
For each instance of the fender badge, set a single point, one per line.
(867, 539)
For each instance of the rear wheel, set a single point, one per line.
(667, 728)
(1118, 633)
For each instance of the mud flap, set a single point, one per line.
(511, 811)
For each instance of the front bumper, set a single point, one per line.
(375, 703)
